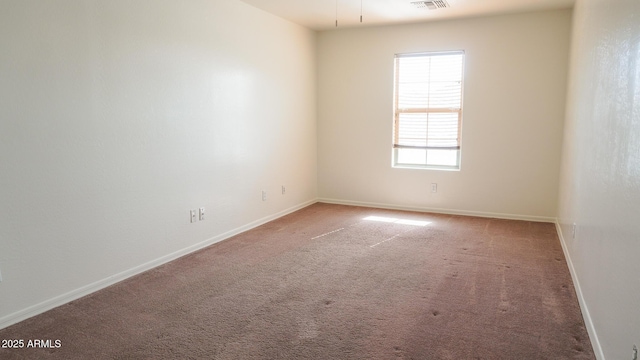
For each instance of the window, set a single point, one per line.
(428, 110)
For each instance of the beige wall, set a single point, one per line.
(600, 182)
(514, 99)
(117, 117)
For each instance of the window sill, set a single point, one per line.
(425, 167)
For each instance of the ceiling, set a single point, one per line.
(321, 14)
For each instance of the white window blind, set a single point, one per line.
(428, 101)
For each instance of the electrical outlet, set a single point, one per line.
(284, 190)
(193, 216)
(201, 213)
(573, 231)
(634, 353)
(264, 195)
(434, 187)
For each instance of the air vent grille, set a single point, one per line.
(431, 4)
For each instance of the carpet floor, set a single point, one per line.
(336, 282)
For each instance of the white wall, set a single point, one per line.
(117, 117)
(514, 99)
(600, 177)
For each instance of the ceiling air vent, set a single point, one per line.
(431, 4)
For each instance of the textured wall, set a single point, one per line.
(117, 117)
(514, 100)
(600, 182)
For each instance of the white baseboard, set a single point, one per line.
(101, 284)
(593, 336)
(440, 211)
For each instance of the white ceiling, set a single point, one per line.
(321, 14)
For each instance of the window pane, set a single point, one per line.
(442, 157)
(428, 108)
(428, 129)
(412, 129)
(413, 95)
(443, 129)
(446, 68)
(414, 69)
(445, 94)
(412, 156)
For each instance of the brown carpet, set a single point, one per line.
(330, 282)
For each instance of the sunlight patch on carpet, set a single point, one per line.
(397, 221)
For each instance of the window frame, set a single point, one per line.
(396, 146)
